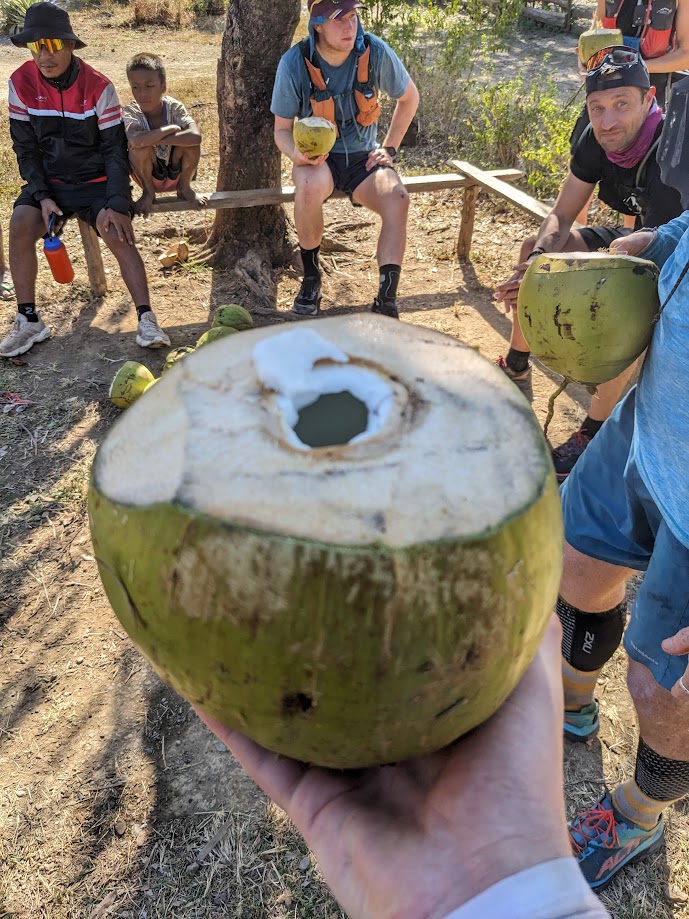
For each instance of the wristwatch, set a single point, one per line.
(391, 152)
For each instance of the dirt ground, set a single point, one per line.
(110, 788)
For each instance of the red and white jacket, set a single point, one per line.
(69, 130)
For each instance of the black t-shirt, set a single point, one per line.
(652, 202)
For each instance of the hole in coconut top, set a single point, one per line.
(324, 399)
(332, 419)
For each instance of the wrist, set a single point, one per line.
(390, 150)
(538, 250)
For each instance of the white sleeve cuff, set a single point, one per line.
(552, 890)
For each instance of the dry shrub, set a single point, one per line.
(161, 12)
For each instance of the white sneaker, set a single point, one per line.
(23, 335)
(149, 334)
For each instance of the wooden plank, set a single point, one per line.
(94, 259)
(503, 190)
(466, 229)
(270, 196)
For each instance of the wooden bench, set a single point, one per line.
(269, 196)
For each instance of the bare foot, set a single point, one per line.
(145, 203)
(188, 194)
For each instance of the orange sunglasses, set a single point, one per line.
(52, 44)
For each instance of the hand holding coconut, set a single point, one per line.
(634, 244)
(424, 837)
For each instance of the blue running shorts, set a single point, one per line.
(610, 515)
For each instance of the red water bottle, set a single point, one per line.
(58, 259)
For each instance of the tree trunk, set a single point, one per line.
(257, 33)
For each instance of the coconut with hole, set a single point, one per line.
(331, 547)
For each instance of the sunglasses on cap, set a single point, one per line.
(615, 56)
(51, 44)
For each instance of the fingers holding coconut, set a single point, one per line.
(507, 292)
(634, 244)
(300, 159)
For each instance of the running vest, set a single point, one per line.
(653, 22)
(365, 93)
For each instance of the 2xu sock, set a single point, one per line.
(517, 360)
(309, 259)
(140, 310)
(389, 281)
(657, 783)
(28, 310)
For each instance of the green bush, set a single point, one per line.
(12, 14)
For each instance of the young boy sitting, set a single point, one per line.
(164, 140)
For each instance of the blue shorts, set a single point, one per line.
(609, 515)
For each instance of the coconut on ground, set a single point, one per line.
(359, 601)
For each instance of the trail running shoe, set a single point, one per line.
(521, 380)
(566, 455)
(603, 842)
(308, 300)
(385, 308)
(582, 726)
(22, 336)
(149, 334)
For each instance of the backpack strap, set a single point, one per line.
(644, 161)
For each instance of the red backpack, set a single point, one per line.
(654, 24)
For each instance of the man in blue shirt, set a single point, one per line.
(356, 165)
(625, 510)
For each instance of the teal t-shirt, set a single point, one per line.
(292, 91)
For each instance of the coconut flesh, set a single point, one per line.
(331, 547)
(314, 136)
(588, 315)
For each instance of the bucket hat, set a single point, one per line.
(45, 20)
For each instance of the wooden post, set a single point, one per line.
(466, 229)
(94, 260)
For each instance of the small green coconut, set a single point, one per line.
(328, 548)
(595, 39)
(215, 333)
(314, 136)
(234, 316)
(152, 383)
(588, 315)
(129, 383)
(176, 355)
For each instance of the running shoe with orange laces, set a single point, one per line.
(603, 842)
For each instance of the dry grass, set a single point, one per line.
(161, 12)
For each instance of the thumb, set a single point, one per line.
(677, 644)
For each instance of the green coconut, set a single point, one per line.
(588, 315)
(215, 333)
(234, 316)
(174, 356)
(595, 39)
(129, 383)
(328, 548)
(151, 384)
(314, 136)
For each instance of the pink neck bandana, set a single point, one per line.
(642, 142)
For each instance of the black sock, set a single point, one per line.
(28, 310)
(591, 426)
(389, 279)
(517, 360)
(309, 259)
(140, 310)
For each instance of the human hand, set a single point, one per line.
(114, 222)
(49, 207)
(378, 157)
(507, 292)
(418, 839)
(299, 159)
(632, 244)
(679, 644)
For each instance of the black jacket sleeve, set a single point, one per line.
(113, 141)
(29, 158)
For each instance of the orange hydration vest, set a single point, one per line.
(655, 24)
(365, 93)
